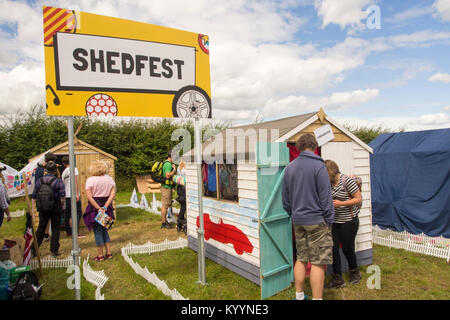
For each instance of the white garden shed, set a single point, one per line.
(246, 228)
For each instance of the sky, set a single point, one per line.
(367, 63)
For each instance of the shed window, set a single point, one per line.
(228, 189)
(220, 181)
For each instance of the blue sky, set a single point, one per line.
(271, 59)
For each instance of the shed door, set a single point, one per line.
(275, 224)
(341, 153)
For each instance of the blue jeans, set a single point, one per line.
(100, 234)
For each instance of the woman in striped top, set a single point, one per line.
(346, 200)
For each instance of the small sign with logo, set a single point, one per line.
(324, 134)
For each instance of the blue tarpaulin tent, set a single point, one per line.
(410, 180)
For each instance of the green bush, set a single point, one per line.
(136, 142)
(367, 134)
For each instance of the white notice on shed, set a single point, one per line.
(324, 134)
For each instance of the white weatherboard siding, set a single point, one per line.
(242, 215)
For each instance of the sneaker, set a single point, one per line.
(337, 281)
(355, 276)
(81, 236)
(166, 225)
(55, 254)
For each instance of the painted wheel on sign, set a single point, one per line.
(191, 102)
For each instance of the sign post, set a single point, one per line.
(103, 66)
(201, 229)
(73, 206)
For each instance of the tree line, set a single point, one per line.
(136, 142)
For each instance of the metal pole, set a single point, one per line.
(201, 230)
(73, 205)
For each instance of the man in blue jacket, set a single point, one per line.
(308, 200)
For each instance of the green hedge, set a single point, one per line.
(136, 142)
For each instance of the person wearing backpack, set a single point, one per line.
(49, 199)
(347, 200)
(39, 173)
(168, 170)
(181, 192)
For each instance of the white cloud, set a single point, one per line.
(22, 88)
(422, 122)
(256, 68)
(442, 9)
(423, 38)
(446, 108)
(410, 14)
(291, 105)
(348, 99)
(440, 77)
(343, 12)
(250, 76)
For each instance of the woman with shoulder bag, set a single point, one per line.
(347, 200)
(100, 192)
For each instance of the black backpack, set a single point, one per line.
(45, 197)
(27, 287)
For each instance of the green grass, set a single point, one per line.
(179, 269)
(53, 288)
(404, 275)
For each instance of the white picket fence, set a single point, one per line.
(150, 247)
(17, 213)
(420, 243)
(52, 263)
(151, 277)
(97, 278)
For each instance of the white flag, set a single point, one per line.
(154, 205)
(144, 204)
(134, 199)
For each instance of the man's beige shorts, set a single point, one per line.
(314, 243)
(166, 197)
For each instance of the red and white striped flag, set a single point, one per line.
(28, 237)
(27, 250)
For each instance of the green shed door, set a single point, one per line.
(275, 231)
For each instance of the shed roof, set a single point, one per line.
(76, 142)
(237, 142)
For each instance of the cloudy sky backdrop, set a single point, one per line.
(271, 59)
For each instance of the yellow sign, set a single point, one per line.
(103, 66)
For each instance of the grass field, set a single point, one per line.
(404, 275)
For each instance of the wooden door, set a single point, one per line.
(275, 224)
